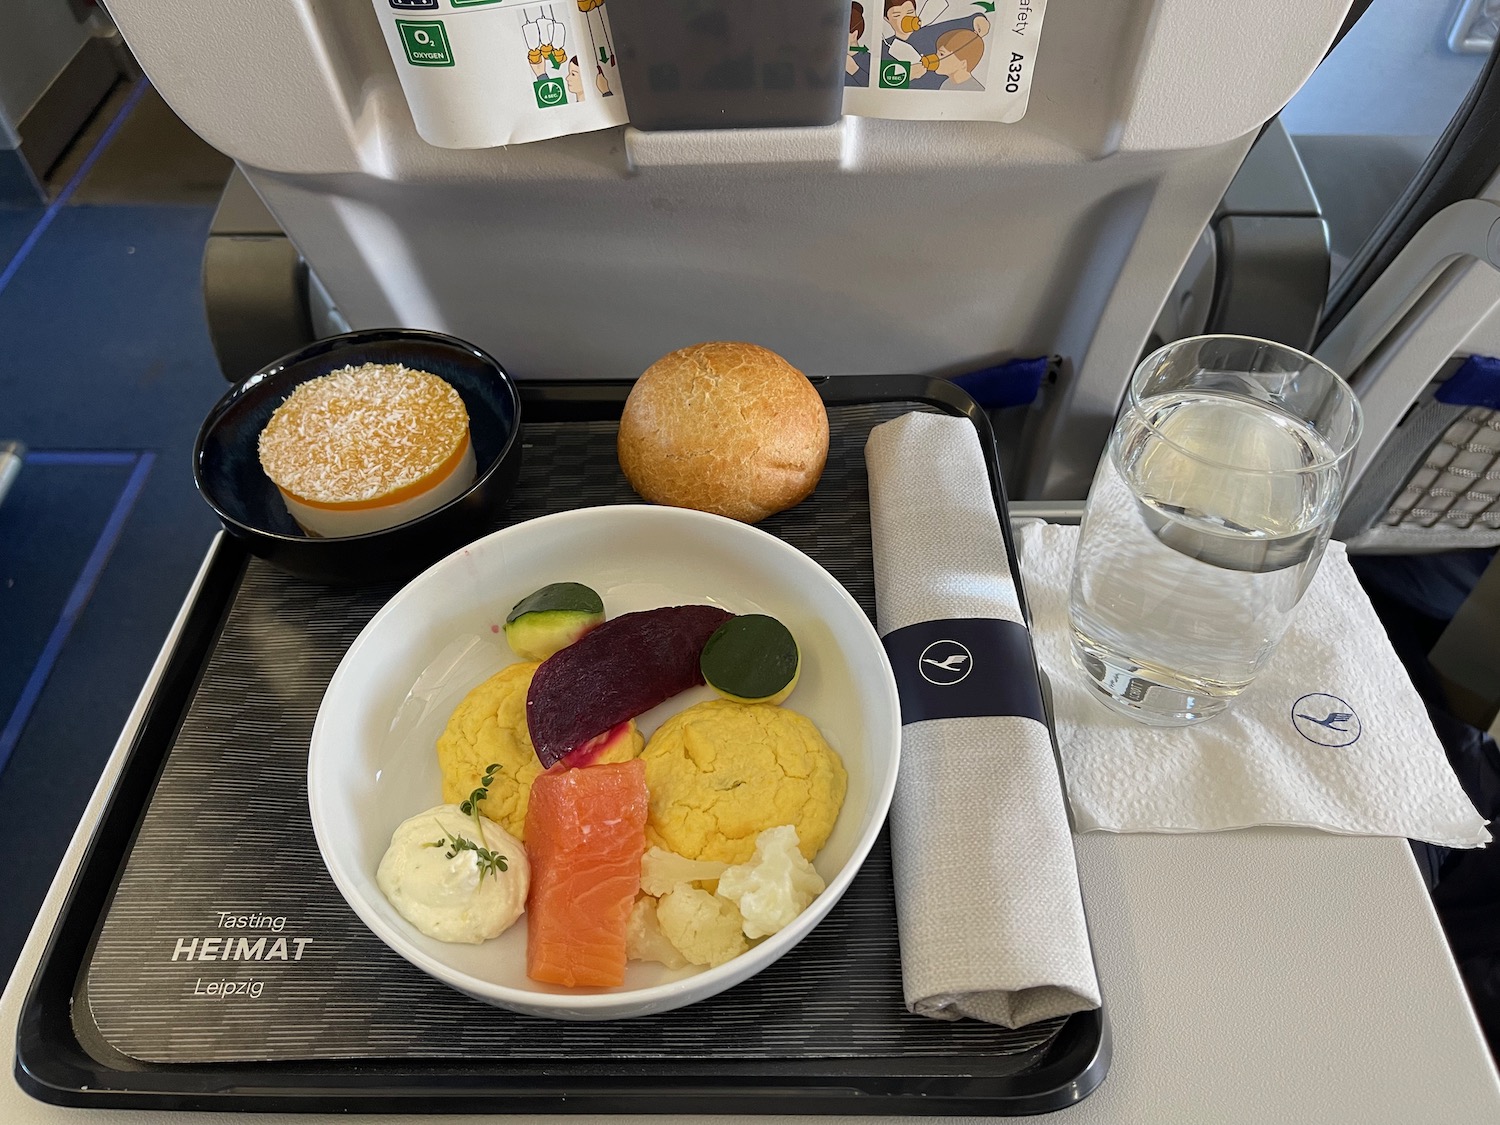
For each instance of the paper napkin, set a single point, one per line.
(1332, 735)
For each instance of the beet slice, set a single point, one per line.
(615, 672)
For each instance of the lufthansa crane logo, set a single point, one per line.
(1326, 720)
(945, 663)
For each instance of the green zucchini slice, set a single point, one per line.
(751, 659)
(551, 619)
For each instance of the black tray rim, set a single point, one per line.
(56, 1064)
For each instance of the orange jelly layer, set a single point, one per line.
(407, 492)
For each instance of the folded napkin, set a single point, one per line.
(990, 915)
(1332, 735)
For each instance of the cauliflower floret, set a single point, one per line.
(644, 940)
(705, 928)
(775, 886)
(662, 870)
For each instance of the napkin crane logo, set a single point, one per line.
(945, 663)
(1326, 720)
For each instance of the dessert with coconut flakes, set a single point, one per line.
(365, 448)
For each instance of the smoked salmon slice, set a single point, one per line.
(585, 834)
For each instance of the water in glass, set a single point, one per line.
(1189, 565)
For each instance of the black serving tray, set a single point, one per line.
(821, 1031)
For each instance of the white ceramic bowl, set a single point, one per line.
(372, 762)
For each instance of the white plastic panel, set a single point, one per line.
(1484, 337)
(1212, 74)
(923, 269)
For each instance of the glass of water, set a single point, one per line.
(1205, 523)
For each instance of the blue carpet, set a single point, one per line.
(106, 349)
(106, 342)
(57, 529)
(15, 224)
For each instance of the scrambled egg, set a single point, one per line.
(721, 773)
(490, 726)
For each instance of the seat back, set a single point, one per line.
(864, 246)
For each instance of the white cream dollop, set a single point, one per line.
(445, 898)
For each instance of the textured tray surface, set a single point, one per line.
(227, 837)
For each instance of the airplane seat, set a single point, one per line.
(1415, 317)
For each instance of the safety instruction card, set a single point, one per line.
(482, 73)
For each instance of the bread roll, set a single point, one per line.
(727, 428)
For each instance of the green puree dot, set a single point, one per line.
(752, 658)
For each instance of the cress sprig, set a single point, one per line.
(471, 806)
(490, 863)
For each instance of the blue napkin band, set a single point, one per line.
(965, 667)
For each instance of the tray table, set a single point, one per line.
(207, 837)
